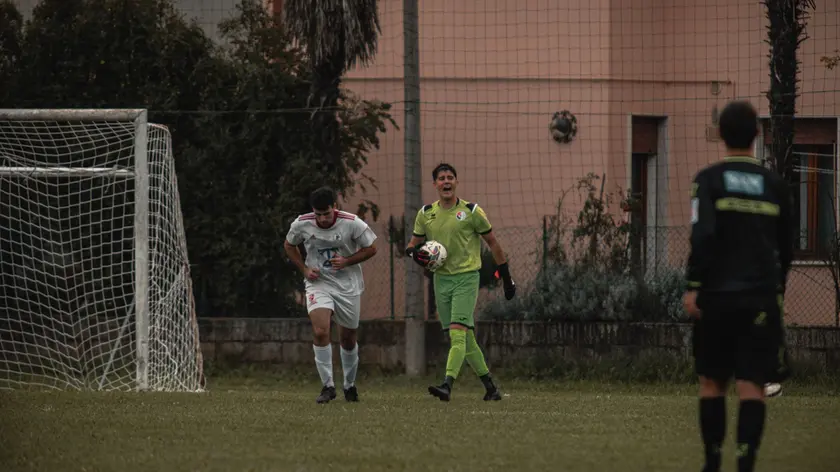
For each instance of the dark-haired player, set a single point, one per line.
(741, 251)
(336, 243)
(459, 225)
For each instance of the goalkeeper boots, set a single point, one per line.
(351, 394)
(327, 394)
(492, 393)
(444, 390)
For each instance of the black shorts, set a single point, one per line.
(741, 337)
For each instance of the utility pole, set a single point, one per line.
(415, 325)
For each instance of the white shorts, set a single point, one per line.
(346, 309)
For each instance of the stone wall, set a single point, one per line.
(382, 342)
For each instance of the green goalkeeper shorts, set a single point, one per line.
(455, 297)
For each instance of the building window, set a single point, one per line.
(813, 188)
(813, 184)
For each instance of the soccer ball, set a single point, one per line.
(437, 255)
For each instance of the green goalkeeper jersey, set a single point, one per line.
(459, 229)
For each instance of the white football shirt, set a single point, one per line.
(345, 237)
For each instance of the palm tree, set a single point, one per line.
(785, 32)
(336, 35)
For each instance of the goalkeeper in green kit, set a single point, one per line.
(459, 226)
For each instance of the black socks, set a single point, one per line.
(487, 381)
(449, 381)
(751, 416)
(713, 430)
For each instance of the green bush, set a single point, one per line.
(660, 297)
(587, 274)
(570, 292)
(564, 292)
(487, 274)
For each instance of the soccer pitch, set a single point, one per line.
(273, 424)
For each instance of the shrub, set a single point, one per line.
(661, 297)
(587, 274)
(487, 273)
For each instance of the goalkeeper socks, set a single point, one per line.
(713, 430)
(457, 351)
(475, 358)
(349, 365)
(487, 381)
(323, 361)
(751, 414)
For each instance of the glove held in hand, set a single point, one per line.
(419, 256)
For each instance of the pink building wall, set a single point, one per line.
(493, 72)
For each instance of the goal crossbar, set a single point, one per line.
(71, 114)
(68, 172)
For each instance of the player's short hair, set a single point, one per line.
(738, 125)
(442, 167)
(323, 198)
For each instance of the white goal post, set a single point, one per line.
(95, 285)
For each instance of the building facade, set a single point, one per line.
(643, 80)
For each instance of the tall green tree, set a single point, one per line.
(11, 30)
(242, 139)
(335, 36)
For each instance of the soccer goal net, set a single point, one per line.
(95, 288)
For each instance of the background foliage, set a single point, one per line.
(244, 172)
(587, 272)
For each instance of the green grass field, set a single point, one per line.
(250, 424)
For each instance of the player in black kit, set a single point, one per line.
(741, 251)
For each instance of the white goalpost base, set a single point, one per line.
(95, 286)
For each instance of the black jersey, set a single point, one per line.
(741, 231)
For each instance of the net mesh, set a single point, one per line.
(67, 260)
(643, 80)
(175, 361)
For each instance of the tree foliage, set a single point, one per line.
(11, 29)
(340, 33)
(831, 61)
(242, 134)
(587, 273)
(335, 36)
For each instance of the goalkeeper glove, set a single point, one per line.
(420, 255)
(510, 286)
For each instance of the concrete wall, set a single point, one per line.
(382, 342)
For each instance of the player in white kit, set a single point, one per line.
(336, 242)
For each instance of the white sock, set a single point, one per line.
(323, 361)
(350, 365)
